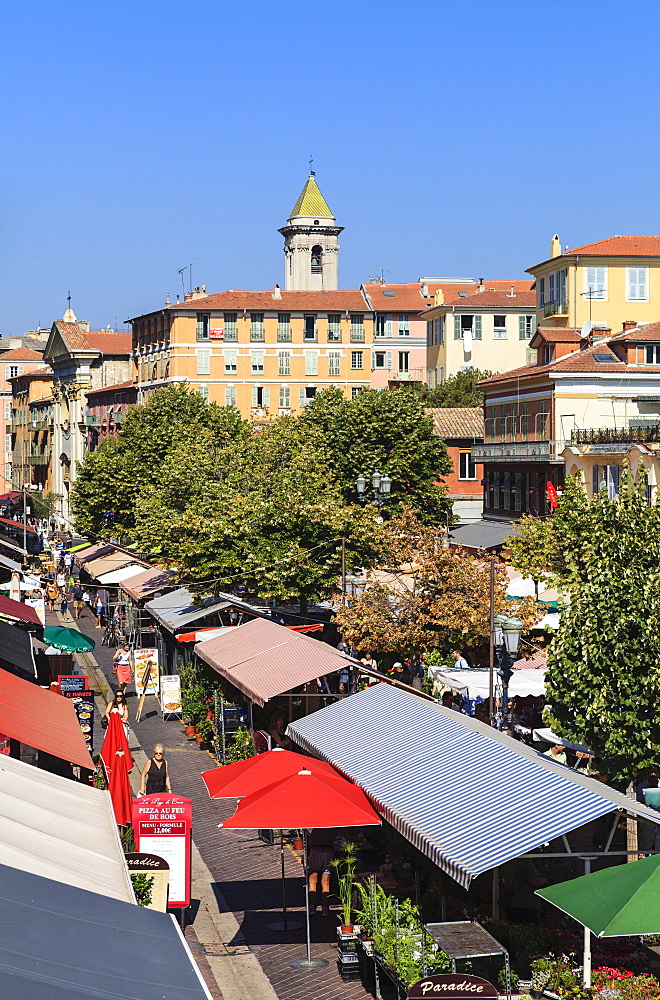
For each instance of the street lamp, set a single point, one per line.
(381, 486)
(506, 640)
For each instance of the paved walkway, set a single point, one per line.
(237, 884)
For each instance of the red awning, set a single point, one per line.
(21, 612)
(41, 719)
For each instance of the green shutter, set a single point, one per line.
(477, 327)
(457, 327)
(521, 328)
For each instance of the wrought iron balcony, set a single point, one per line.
(518, 451)
(555, 309)
(638, 430)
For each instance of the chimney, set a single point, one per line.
(187, 297)
(480, 286)
(425, 291)
(439, 297)
(629, 324)
(512, 293)
(167, 300)
(555, 246)
(277, 292)
(197, 293)
(600, 333)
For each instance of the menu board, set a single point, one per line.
(71, 684)
(170, 694)
(162, 825)
(159, 872)
(83, 704)
(142, 659)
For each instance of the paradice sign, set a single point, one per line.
(461, 987)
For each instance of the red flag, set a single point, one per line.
(551, 494)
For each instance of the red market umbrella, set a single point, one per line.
(234, 781)
(120, 789)
(115, 739)
(305, 800)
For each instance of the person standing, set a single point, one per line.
(68, 563)
(557, 752)
(123, 663)
(99, 611)
(460, 662)
(61, 581)
(64, 606)
(52, 593)
(118, 705)
(155, 774)
(77, 594)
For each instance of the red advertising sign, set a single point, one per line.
(551, 493)
(163, 826)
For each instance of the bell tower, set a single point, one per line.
(311, 243)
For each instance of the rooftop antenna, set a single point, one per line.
(183, 286)
(311, 165)
(68, 299)
(190, 267)
(379, 277)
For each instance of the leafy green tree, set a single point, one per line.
(112, 478)
(384, 431)
(266, 510)
(458, 390)
(604, 661)
(541, 546)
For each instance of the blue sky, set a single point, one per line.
(448, 138)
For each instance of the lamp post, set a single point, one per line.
(381, 486)
(506, 640)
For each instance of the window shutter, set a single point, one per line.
(594, 480)
(303, 396)
(389, 359)
(641, 282)
(255, 396)
(373, 359)
(388, 325)
(477, 327)
(20, 369)
(457, 327)
(265, 395)
(521, 328)
(613, 481)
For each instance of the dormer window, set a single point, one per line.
(317, 257)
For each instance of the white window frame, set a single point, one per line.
(357, 361)
(334, 364)
(230, 322)
(466, 464)
(499, 332)
(230, 395)
(285, 397)
(204, 361)
(311, 363)
(257, 362)
(633, 284)
(401, 370)
(203, 390)
(595, 277)
(231, 361)
(284, 362)
(404, 324)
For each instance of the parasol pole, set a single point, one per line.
(286, 924)
(309, 962)
(586, 962)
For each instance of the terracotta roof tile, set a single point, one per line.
(289, 302)
(617, 246)
(21, 354)
(493, 298)
(112, 388)
(557, 335)
(457, 421)
(77, 339)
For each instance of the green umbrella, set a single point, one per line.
(614, 902)
(68, 639)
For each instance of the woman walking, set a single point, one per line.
(123, 662)
(156, 775)
(118, 705)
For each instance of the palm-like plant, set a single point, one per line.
(345, 866)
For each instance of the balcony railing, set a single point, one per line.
(635, 432)
(520, 451)
(555, 309)
(93, 420)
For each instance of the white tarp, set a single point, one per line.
(125, 573)
(475, 683)
(524, 586)
(60, 829)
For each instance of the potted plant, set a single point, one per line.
(204, 731)
(345, 866)
(542, 969)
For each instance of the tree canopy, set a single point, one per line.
(387, 432)
(458, 390)
(604, 660)
(426, 596)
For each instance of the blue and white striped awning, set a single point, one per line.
(467, 796)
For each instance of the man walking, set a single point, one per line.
(461, 663)
(77, 601)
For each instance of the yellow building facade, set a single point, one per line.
(605, 283)
(265, 353)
